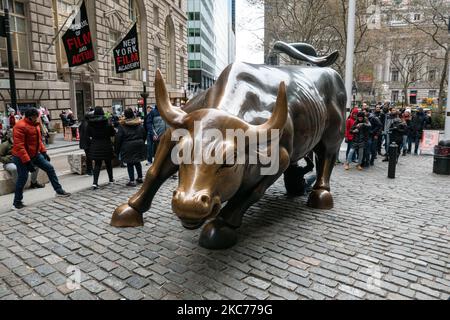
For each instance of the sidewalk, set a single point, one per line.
(71, 183)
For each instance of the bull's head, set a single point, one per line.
(204, 186)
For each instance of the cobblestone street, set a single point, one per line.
(385, 239)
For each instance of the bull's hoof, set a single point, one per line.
(320, 199)
(126, 217)
(216, 235)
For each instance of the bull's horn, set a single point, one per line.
(173, 116)
(279, 114)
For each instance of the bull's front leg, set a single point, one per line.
(320, 197)
(220, 233)
(131, 214)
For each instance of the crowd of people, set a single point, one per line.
(130, 137)
(367, 131)
(104, 137)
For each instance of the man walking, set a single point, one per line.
(29, 152)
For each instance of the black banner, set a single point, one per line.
(77, 40)
(126, 53)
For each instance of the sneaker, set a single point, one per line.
(112, 181)
(18, 206)
(94, 186)
(139, 181)
(359, 167)
(63, 194)
(131, 184)
(36, 185)
(346, 166)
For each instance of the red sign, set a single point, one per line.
(77, 40)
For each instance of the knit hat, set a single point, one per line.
(361, 114)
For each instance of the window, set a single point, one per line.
(62, 9)
(182, 70)
(394, 76)
(432, 93)
(432, 75)
(170, 52)
(156, 15)
(417, 17)
(273, 60)
(158, 58)
(134, 16)
(114, 36)
(181, 31)
(395, 96)
(179, 4)
(194, 16)
(19, 38)
(194, 32)
(194, 64)
(194, 48)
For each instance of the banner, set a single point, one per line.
(430, 139)
(77, 40)
(126, 53)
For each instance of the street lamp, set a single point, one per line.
(354, 92)
(144, 93)
(5, 31)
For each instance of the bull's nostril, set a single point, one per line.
(205, 199)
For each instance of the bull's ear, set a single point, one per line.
(173, 116)
(279, 114)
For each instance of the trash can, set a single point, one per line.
(441, 163)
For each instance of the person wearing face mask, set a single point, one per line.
(28, 153)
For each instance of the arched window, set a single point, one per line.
(134, 15)
(170, 52)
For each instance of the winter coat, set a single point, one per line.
(418, 123)
(376, 126)
(5, 152)
(388, 122)
(83, 130)
(157, 126)
(100, 133)
(397, 130)
(27, 140)
(130, 141)
(349, 124)
(361, 132)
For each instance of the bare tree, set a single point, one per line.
(434, 25)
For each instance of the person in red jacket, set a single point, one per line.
(29, 151)
(348, 126)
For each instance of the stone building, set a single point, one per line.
(43, 76)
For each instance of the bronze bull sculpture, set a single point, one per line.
(306, 103)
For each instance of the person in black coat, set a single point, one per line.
(361, 132)
(130, 144)
(100, 145)
(85, 142)
(396, 131)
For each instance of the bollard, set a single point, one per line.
(393, 149)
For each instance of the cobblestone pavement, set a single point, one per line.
(385, 239)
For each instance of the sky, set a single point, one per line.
(249, 32)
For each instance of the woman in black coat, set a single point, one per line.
(100, 145)
(130, 144)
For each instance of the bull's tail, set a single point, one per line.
(306, 52)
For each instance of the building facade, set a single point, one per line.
(211, 40)
(44, 78)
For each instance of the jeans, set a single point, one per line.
(131, 166)
(387, 141)
(98, 167)
(367, 152)
(11, 168)
(150, 148)
(309, 181)
(352, 153)
(22, 172)
(374, 149)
